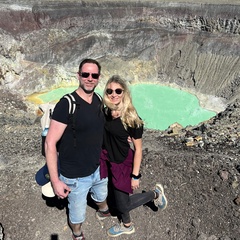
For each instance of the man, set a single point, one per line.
(79, 149)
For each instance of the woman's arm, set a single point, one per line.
(137, 143)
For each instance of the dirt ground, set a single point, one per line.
(201, 184)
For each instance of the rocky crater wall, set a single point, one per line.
(189, 45)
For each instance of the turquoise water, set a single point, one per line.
(158, 106)
(161, 106)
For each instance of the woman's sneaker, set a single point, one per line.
(120, 229)
(161, 200)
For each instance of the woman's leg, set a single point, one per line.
(126, 203)
(122, 200)
(139, 199)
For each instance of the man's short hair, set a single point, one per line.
(89, 60)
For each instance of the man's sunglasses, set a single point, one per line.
(86, 75)
(118, 91)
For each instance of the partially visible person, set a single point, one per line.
(122, 121)
(79, 149)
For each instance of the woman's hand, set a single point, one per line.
(129, 139)
(135, 183)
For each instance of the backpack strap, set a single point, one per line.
(101, 101)
(71, 119)
(99, 96)
(71, 103)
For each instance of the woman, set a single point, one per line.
(124, 163)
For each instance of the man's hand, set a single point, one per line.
(61, 189)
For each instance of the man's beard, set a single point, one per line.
(87, 91)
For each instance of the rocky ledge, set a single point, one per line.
(190, 45)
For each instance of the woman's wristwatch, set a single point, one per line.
(136, 177)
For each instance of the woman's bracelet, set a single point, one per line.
(136, 177)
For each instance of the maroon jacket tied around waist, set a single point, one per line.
(121, 172)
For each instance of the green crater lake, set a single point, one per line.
(158, 106)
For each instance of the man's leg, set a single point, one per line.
(76, 228)
(77, 202)
(102, 206)
(99, 192)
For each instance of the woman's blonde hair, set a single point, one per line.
(129, 114)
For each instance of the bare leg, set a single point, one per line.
(102, 206)
(76, 228)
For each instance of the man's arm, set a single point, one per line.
(55, 132)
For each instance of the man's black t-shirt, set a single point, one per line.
(83, 159)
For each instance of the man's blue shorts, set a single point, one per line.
(77, 198)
